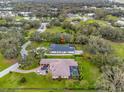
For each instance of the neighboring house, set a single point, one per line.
(91, 15)
(72, 16)
(25, 14)
(30, 18)
(59, 68)
(62, 49)
(4, 14)
(120, 23)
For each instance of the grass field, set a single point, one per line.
(118, 49)
(30, 32)
(4, 63)
(19, 18)
(34, 45)
(88, 71)
(33, 80)
(55, 29)
(60, 57)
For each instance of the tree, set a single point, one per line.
(36, 37)
(100, 13)
(98, 45)
(55, 22)
(106, 59)
(112, 79)
(89, 27)
(81, 39)
(56, 38)
(111, 18)
(35, 24)
(10, 44)
(68, 38)
(114, 34)
(32, 59)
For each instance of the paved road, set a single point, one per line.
(42, 27)
(11, 68)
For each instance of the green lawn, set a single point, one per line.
(59, 57)
(19, 18)
(119, 49)
(4, 63)
(33, 80)
(30, 32)
(102, 23)
(88, 71)
(55, 29)
(34, 45)
(2, 21)
(79, 47)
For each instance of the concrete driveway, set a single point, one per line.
(42, 27)
(11, 68)
(23, 51)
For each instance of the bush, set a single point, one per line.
(22, 80)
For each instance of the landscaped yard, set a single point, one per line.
(4, 63)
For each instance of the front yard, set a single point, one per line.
(32, 80)
(4, 63)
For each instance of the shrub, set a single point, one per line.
(22, 80)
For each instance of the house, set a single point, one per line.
(24, 14)
(59, 68)
(91, 15)
(72, 16)
(6, 14)
(62, 49)
(120, 23)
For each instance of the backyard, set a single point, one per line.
(88, 72)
